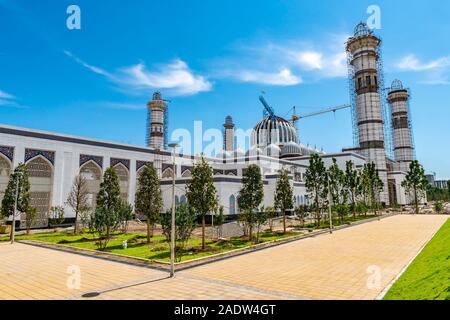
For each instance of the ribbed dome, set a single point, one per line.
(273, 130)
(291, 149)
(272, 150)
(254, 151)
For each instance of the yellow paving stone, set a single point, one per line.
(325, 267)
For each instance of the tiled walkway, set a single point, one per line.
(354, 263)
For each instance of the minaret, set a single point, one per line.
(363, 51)
(398, 98)
(228, 139)
(156, 120)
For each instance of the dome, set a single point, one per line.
(238, 153)
(396, 85)
(224, 154)
(273, 130)
(362, 29)
(254, 151)
(272, 150)
(291, 149)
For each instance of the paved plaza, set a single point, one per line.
(353, 263)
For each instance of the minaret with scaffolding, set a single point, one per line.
(157, 122)
(402, 136)
(228, 135)
(366, 89)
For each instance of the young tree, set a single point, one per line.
(372, 185)
(56, 216)
(301, 211)
(125, 215)
(106, 217)
(448, 187)
(261, 219)
(78, 199)
(336, 183)
(149, 198)
(30, 218)
(416, 183)
(19, 178)
(284, 198)
(271, 214)
(201, 192)
(219, 220)
(251, 196)
(317, 184)
(352, 185)
(185, 221)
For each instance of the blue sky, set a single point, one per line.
(213, 58)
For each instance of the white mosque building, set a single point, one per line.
(54, 160)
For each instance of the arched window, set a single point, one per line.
(177, 201)
(186, 173)
(183, 199)
(167, 173)
(5, 171)
(40, 172)
(232, 204)
(92, 172)
(122, 173)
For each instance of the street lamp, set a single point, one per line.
(172, 231)
(330, 198)
(13, 224)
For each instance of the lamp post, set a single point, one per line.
(13, 224)
(172, 230)
(330, 198)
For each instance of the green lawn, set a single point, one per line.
(157, 250)
(428, 276)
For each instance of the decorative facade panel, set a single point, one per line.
(86, 158)
(7, 152)
(140, 164)
(33, 153)
(116, 161)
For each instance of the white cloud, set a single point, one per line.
(9, 100)
(435, 72)
(282, 78)
(412, 63)
(295, 61)
(310, 59)
(5, 95)
(88, 66)
(176, 77)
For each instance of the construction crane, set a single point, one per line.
(268, 110)
(295, 118)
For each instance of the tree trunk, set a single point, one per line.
(203, 231)
(75, 230)
(353, 206)
(148, 230)
(250, 233)
(284, 221)
(416, 201)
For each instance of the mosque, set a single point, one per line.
(382, 135)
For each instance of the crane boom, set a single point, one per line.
(345, 106)
(268, 108)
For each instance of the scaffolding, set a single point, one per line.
(166, 126)
(352, 92)
(411, 131)
(387, 123)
